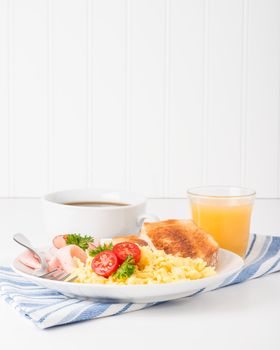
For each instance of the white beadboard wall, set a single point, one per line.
(153, 96)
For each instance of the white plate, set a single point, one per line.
(228, 264)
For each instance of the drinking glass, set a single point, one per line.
(225, 213)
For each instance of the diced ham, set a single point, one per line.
(54, 264)
(60, 259)
(59, 241)
(49, 254)
(29, 259)
(66, 254)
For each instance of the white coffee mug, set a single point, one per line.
(123, 215)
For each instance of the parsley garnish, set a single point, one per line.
(80, 241)
(100, 249)
(126, 269)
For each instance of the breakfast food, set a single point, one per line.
(155, 267)
(173, 250)
(124, 249)
(61, 259)
(29, 259)
(83, 242)
(60, 241)
(181, 238)
(105, 263)
(130, 238)
(66, 254)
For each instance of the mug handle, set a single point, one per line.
(142, 218)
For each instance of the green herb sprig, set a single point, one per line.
(126, 269)
(100, 248)
(80, 241)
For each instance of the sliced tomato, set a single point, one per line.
(123, 249)
(105, 263)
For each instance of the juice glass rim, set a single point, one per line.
(209, 192)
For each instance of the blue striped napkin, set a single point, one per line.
(48, 308)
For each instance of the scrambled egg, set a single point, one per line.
(153, 267)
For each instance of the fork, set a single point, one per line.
(58, 275)
(55, 274)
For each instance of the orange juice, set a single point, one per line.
(229, 224)
(225, 213)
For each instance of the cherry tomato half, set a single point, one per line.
(123, 249)
(105, 263)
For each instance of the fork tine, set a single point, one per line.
(72, 279)
(65, 277)
(60, 276)
(56, 277)
(49, 273)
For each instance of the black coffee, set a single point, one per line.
(97, 204)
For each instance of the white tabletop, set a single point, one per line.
(244, 316)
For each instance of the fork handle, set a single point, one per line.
(24, 241)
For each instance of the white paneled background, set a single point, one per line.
(153, 96)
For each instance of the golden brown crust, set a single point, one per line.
(181, 238)
(130, 238)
